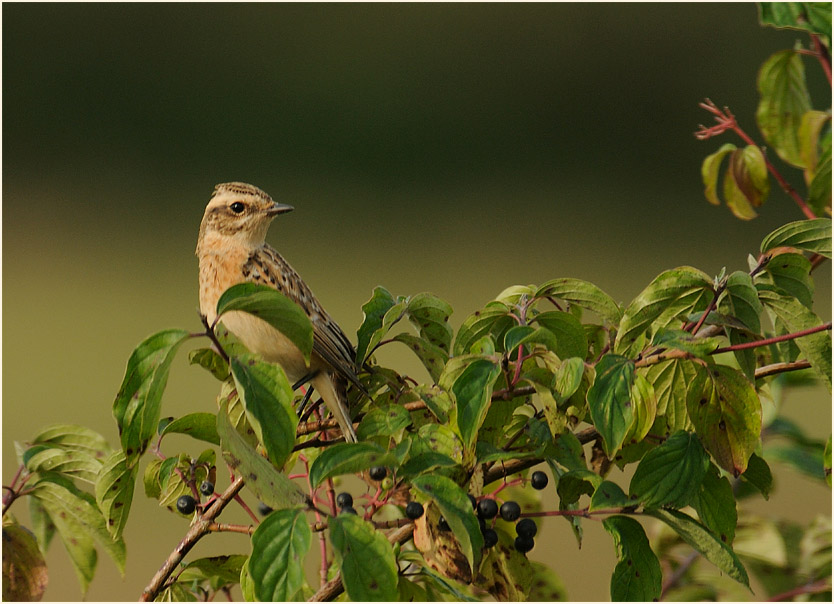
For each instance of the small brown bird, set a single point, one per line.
(231, 250)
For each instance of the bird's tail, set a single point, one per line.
(336, 402)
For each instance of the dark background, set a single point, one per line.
(454, 148)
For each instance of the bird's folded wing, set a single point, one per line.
(268, 267)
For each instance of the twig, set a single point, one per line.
(200, 528)
(727, 121)
(774, 340)
(822, 55)
(334, 587)
(216, 527)
(776, 368)
(517, 465)
(820, 586)
(680, 571)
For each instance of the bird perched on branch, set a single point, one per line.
(232, 250)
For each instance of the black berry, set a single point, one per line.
(490, 537)
(348, 510)
(487, 508)
(472, 500)
(524, 544)
(526, 528)
(186, 504)
(377, 473)
(344, 500)
(207, 488)
(510, 511)
(538, 480)
(443, 525)
(414, 510)
(264, 509)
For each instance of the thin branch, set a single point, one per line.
(200, 528)
(216, 527)
(776, 368)
(334, 587)
(822, 55)
(820, 586)
(774, 340)
(727, 121)
(213, 337)
(497, 471)
(680, 571)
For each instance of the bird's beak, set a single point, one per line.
(279, 208)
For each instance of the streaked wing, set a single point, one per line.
(268, 267)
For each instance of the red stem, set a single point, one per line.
(823, 57)
(774, 340)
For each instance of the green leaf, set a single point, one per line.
(279, 545)
(547, 586)
(472, 392)
(139, 400)
(492, 319)
(671, 474)
(369, 569)
(347, 458)
(433, 357)
(73, 463)
(568, 379)
(609, 401)
(210, 360)
(431, 315)
(571, 340)
(758, 474)
(374, 310)
(388, 421)
(644, 405)
(583, 294)
(727, 415)
(826, 461)
(670, 289)
(449, 586)
(816, 347)
(790, 273)
(25, 575)
(809, 139)
(808, 16)
(703, 541)
(218, 571)
(709, 172)
(609, 495)
(784, 100)
(42, 525)
(683, 340)
(819, 191)
(671, 380)
(746, 183)
(808, 235)
(114, 492)
(716, 505)
(740, 300)
(455, 507)
(637, 576)
(78, 522)
(572, 485)
(268, 484)
(275, 308)
(71, 437)
(202, 426)
(267, 397)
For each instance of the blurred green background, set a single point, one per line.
(454, 148)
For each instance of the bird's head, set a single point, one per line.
(241, 212)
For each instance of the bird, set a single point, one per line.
(231, 249)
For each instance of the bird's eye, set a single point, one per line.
(237, 207)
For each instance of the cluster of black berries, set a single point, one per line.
(510, 511)
(186, 504)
